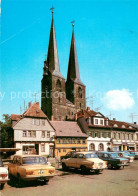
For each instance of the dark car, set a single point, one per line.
(113, 160)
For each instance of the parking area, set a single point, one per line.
(123, 182)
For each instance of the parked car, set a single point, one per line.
(3, 174)
(30, 167)
(126, 155)
(113, 160)
(86, 161)
(68, 155)
(136, 155)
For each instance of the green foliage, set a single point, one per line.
(6, 132)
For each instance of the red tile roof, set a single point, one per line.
(119, 124)
(88, 113)
(15, 117)
(67, 129)
(34, 111)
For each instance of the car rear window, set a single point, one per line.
(91, 155)
(34, 160)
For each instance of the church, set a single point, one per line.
(60, 98)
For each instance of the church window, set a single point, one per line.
(58, 85)
(80, 92)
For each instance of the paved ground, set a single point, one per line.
(122, 182)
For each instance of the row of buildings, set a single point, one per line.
(63, 123)
(34, 133)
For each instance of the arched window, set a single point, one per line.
(58, 85)
(101, 147)
(92, 147)
(80, 92)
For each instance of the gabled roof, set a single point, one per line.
(120, 125)
(67, 129)
(34, 111)
(15, 117)
(73, 67)
(88, 113)
(52, 55)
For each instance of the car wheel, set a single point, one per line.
(2, 186)
(46, 181)
(84, 170)
(64, 167)
(109, 165)
(97, 171)
(118, 167)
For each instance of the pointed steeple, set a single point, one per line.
(73, 67)
(52, 55)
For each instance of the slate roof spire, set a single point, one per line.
(73, 67)
(52, 55)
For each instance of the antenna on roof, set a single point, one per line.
(91, 101)
(20, 109)
(110, 115)
(35, 95)
(132, 117)
(98, 108)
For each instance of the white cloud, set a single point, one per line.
(118, 99)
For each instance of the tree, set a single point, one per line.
(6, 133)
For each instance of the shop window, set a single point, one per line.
(64, 150)
(101, 147)
(42, 147)
(92, 147)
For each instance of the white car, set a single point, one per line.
(3, 175)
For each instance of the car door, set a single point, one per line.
(72, 162)
(81, 160)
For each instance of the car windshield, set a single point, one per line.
(114, 155)
(34, 160)
(91, 155)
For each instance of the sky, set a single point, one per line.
(106, 35)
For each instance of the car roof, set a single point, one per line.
(27, 156)
(84, 152)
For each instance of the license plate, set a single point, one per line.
(41, 171)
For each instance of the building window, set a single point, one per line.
(59, 150)
(127, 136)
(101, 122)
(64, 150)
(78, 141)
(69, 141)
(42, 147)
(24, 133)
(95, 134)
(119, 136)
(58, 141)
(80, 105)
(64, 141)
(108, 134)
(73, 141)
(58, 85)
(96, 121)
(84, 141)
(48, 134)
(43, 122)
(43, 134)
(114, 136)
(37, 122)
(123, 136)
(101, 147)
(29, 134)
(80, 92)
(131, 136)
(33, 133)
(90, 133)
(92, 147)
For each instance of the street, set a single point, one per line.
(123, 182)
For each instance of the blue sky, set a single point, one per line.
(106, 34)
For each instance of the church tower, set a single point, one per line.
(53, 98)
(75, 89)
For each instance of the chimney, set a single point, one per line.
(29, 104)
(114, 119)
(135, 123)
(76, 117)
(37, 103)
(52, 118)
(88, 108)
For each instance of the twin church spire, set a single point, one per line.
(53, 60)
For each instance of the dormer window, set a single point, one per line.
(130, 127)
(101, 122)
(115, 125)
(123, 126)
(96, 121)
